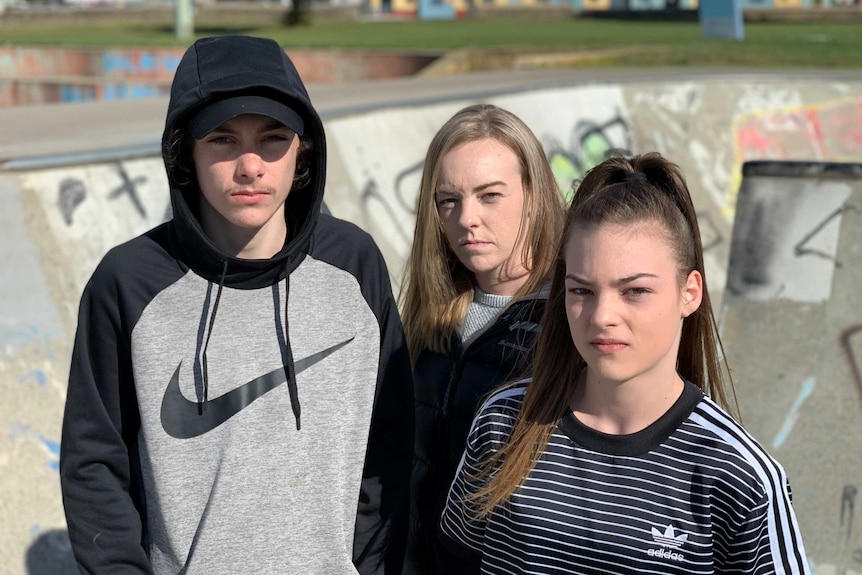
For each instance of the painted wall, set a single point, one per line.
(57, 224)
(32, 76)
(793, 294)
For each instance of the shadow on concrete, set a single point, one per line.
(51, 554)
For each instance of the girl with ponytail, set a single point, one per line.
(620, 454)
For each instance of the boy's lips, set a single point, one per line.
(249, 196)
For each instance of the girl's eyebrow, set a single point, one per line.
(444, 189)
(615, 283)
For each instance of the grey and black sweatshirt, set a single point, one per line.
(239, 416)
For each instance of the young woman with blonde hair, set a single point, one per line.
(488, 217)
(620, 456)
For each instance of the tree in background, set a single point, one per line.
(299, 13)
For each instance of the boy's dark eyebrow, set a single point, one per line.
(616, 283)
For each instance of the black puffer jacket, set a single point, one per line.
(448, 391)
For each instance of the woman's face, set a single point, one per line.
(624, 301)
(480, 201)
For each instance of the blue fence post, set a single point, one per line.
(435, 10)
(721, 19)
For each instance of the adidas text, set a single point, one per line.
(666, 554)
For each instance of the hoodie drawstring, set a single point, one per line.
(284, 345)
(287, 352)
(207, 341)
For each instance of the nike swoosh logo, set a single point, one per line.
(183, 419)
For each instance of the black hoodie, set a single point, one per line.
(181, 450)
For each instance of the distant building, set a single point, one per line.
(453, 8)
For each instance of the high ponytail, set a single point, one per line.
(619, 191)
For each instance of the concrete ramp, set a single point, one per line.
(792, 330)
(62, 212)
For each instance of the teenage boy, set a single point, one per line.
(240, 396)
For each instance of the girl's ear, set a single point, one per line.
(692, 293)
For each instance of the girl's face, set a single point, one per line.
(624, 301)
(480, 201)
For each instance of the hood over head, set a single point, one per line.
(217, 79)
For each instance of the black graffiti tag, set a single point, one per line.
(847, 338)
(710, 236)
(801, 249)
(130, 187)
(71, 195)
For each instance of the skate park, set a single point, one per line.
(773, 159)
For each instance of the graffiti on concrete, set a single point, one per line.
(51, 446)
(130, 187)
(802, 248)
(779, 225)
(830, 131)
(37, 376)
(405, 187)
(12, 340)
(848, 503)
(589, 144)
(710, 236)
(848, 509)
(71, 195)
(851, 340)
(141, 63)
(792, 415)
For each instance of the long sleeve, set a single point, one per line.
(381, 522)
(98, 458)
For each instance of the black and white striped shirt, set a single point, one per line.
(692, 493)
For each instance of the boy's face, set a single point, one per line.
(245, 170)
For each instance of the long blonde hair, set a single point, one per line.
(659, 193)
(437, 288)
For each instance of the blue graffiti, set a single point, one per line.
(129, 91)
(170, 62)
(146, 62)
(36, 375)
(15, 339)
(51, 446)
(793, 414)
(73, 94)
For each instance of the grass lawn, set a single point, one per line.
(767, 44)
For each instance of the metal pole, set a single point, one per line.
(184, 19)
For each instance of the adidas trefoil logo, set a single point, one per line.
(669, 542)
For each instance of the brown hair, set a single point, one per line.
(617, 191)
(437, 288)
(181, 170)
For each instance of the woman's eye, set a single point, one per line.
(578, 291)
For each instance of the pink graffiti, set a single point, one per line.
(830, 132)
